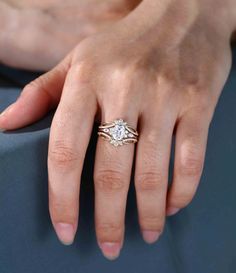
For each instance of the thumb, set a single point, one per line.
(36, 99)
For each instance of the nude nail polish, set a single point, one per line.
(65, 233)
(150, 237)
(171, 211)
(110, 250)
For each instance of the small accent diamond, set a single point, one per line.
(118, 132)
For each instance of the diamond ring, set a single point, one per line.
(118, 132)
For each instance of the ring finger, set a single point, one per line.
(112, 178)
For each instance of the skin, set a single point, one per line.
(162, 71)
(36, 35)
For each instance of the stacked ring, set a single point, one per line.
(118, 132)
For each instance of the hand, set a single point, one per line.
(37, 34)
(163, 72)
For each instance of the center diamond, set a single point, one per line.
(118, 132)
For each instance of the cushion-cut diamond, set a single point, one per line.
(118, 132)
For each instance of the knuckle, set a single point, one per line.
(191, 167)
(27, 89)
(148, 181)
(193, 82)
(166, 79)
(109, 230)
(62, 213)
(83, 70)
(40, 84)
(29, 86)
(122, 76)
(153, 222)
(110, 181)
(151, 141)
(123, 79)
(180, 200)
(32, 86)
(191, 163)
(62, 154)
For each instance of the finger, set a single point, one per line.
(112, 177)
(36, 99)
(151, 172)
(190, 147)
(69, 138)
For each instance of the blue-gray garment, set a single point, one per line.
(200, 239)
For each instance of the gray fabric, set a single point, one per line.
(201, 238)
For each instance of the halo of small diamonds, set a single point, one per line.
(118, 132)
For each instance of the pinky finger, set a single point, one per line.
(191, 142)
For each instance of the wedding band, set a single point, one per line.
(118, 132)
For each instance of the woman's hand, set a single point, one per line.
(36, 35)
(162, 71)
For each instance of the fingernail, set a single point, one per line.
(171, 211)
(65, 233)
(110, 250)
(150, 236)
